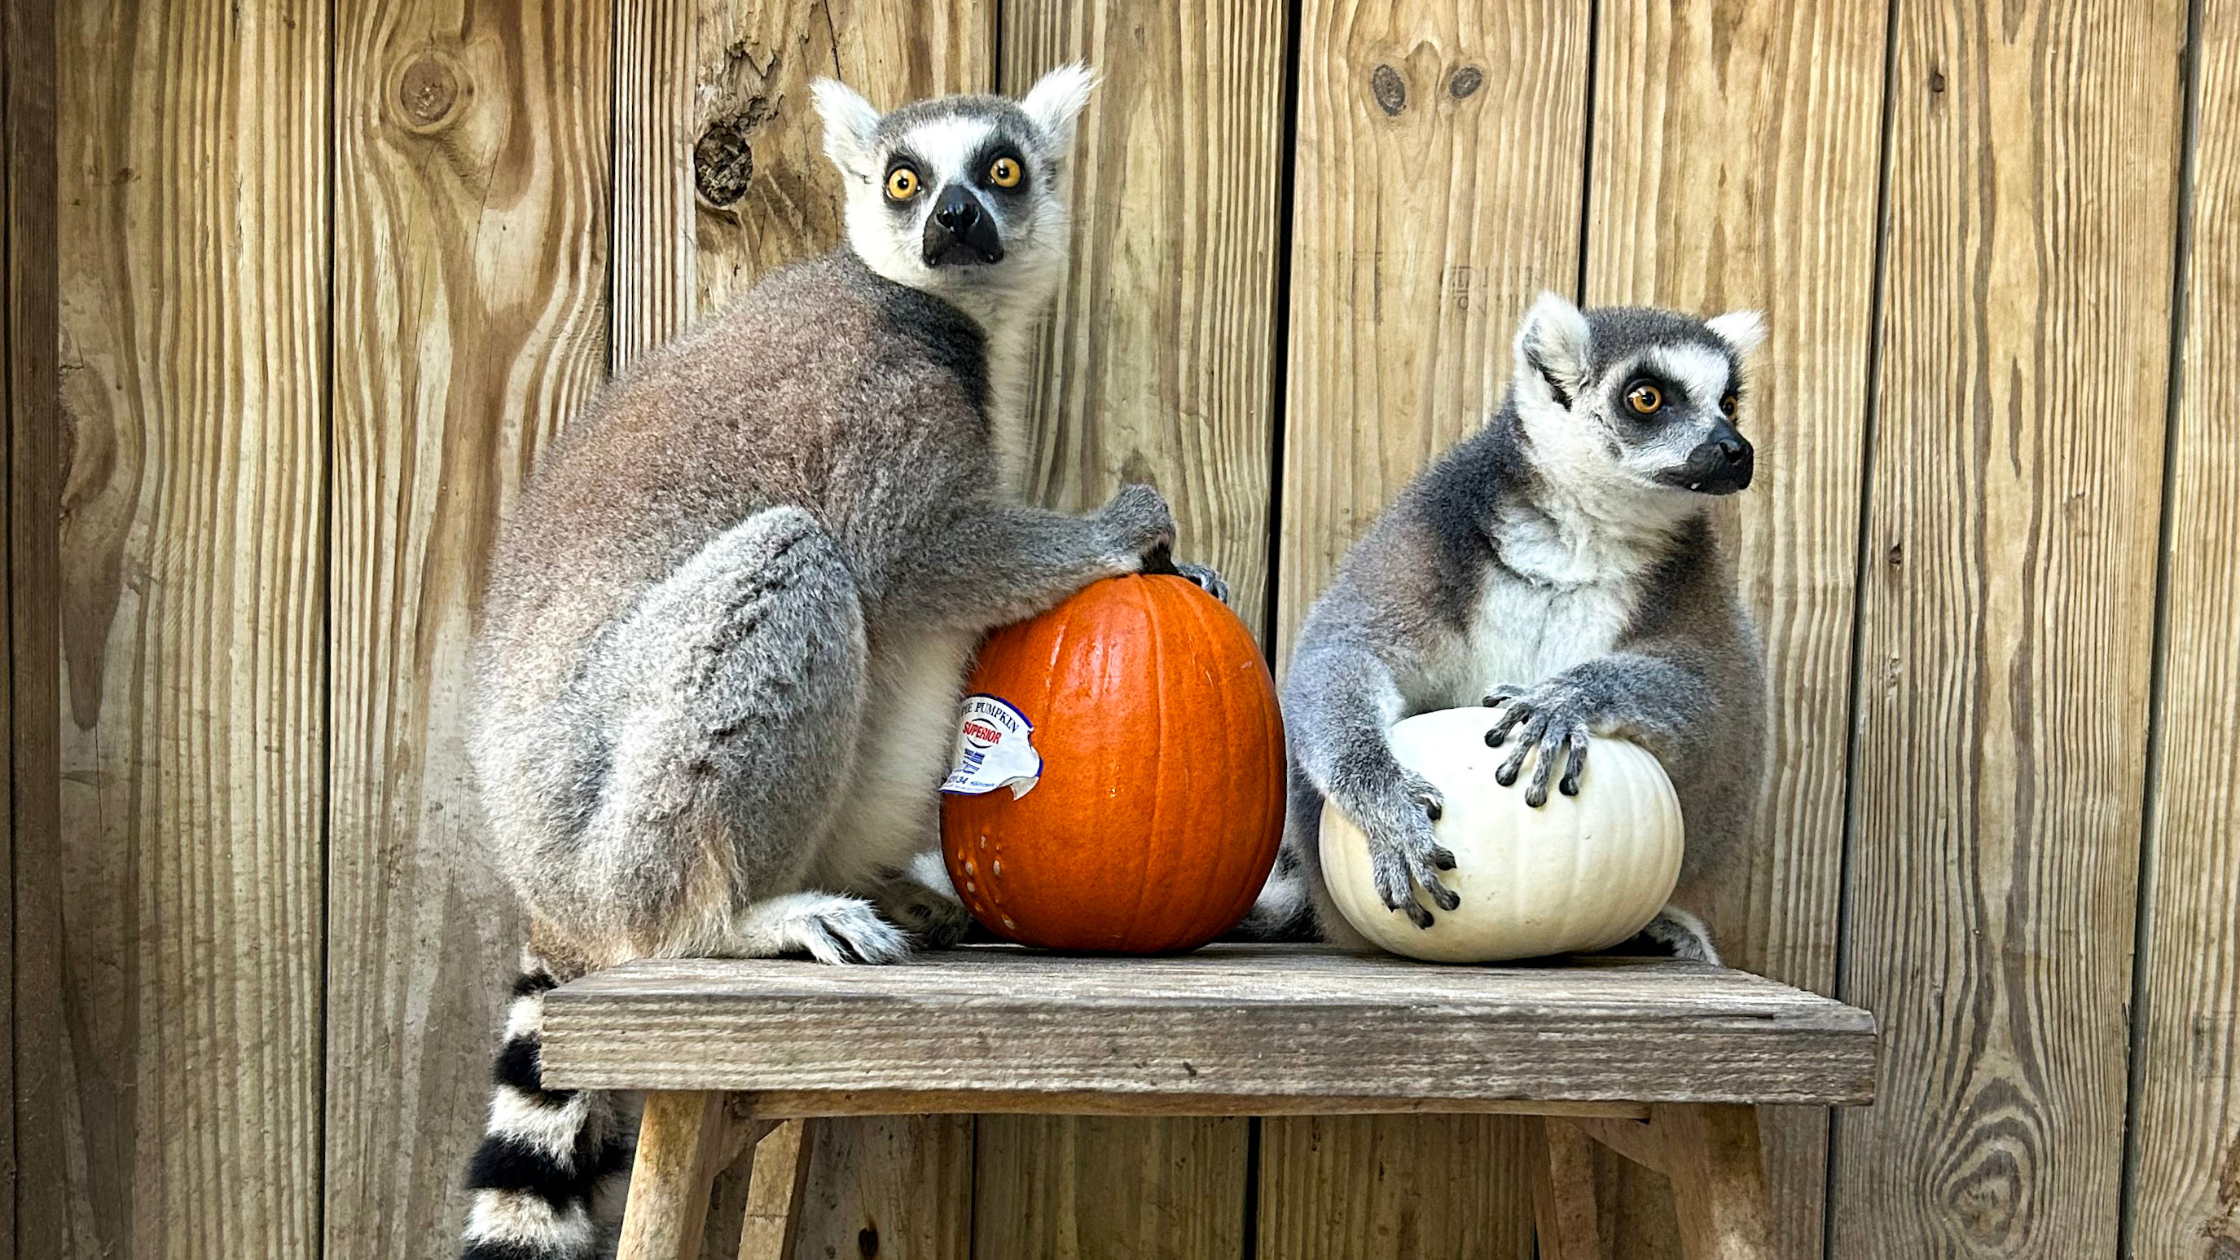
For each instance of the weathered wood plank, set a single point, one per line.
(780, 1181)
(780, 1104)
(1159, 364)
(1419, 1187)
(720, 176)
(2007, 621)
(177, 1110)
(1736, 149)
(470, 246)
(897, 1188)
(1109, 1188)
(2187, 1110)
(29, 579)
(1436, 190)
(1235, 1021)
(719, 173)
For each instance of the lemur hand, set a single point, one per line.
(1200, 576)
(1551, 716)
(1139, 522)
(1403, 853)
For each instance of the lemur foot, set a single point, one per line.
(1549, 716)
(1404, 853)
(924, 903)
(825, 926)
(1683, 935)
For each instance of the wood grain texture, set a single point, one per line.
(470, 246)
(719, 173)
(895, 1188)
(788, 1105)
(2186, 1122)
(1736, 162)
(2007, 622)
(780, 1181)
(29, 578)
(1241, 1021)
(1566, 1225)
(1159, 365)
(178, 1108)
(1109, 1188)
(1425, 218)
(682, 1147)
(1412, 1188)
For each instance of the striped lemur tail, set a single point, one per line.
(554, 1164)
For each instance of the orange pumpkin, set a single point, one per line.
(1149, 713)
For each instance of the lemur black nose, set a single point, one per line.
(957, 212)
(1733, 448)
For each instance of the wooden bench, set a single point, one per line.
(1661, 1061)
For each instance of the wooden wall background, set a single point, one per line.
(297, 292)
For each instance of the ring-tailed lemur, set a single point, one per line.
(1559, 563)
(727, 626)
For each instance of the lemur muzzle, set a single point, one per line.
(960, 232)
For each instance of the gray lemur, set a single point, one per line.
(1558, 564)
(727, 625)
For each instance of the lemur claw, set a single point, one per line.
(1404, 854)
(1550, 722)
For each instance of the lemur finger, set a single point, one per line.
(1517, 710)
(1428, 877)
(1417, 914)
(1577, 745)
(1551, 747)
(1501, 695)
(1506, 774)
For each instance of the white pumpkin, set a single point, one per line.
(1579, 873)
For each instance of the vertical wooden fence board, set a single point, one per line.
(1435, 191)
(2007, 622)
(470, 243)
(1109, 1188)
(890, 1187)
(2186, 1125)
(1405, 1187)
(720, 173)
(1736, 160)
(720, 176)
(29, 395)
(1436, 182)
(179, 1112)
(1159, 363)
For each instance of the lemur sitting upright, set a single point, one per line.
(1559, 563)
(728, 623)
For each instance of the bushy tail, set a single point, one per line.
(548, 1177)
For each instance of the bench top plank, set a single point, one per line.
(1226, 1028)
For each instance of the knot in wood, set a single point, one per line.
(428, 91)
(1390, 90)
(723, 157)
(1465, 81)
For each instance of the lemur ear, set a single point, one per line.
(1552, 349)
(849, 121)
(1055, 101)
(1743, 330)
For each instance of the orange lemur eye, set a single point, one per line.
(1004, 173)
(1645, 398)
(902, 184)
(1728, 405)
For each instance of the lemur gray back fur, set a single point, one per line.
(1560, 565)
(728, 621)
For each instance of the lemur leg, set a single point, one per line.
(735, 694)
(1295, 904)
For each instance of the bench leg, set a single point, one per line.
(1711, 1155)
(1563, 1209)
(684, 1141)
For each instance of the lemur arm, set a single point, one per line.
(1341, 699)
(990, 564)
(1656, 693)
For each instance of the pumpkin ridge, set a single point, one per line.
(1158, 674)
(1225, 861)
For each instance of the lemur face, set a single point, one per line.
(1654, 395)
(957, 196)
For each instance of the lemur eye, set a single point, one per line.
(902, 184)
(1645, 398)
(1728, 405)
(1004, 173)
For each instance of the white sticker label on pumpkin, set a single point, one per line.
(994, 750)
